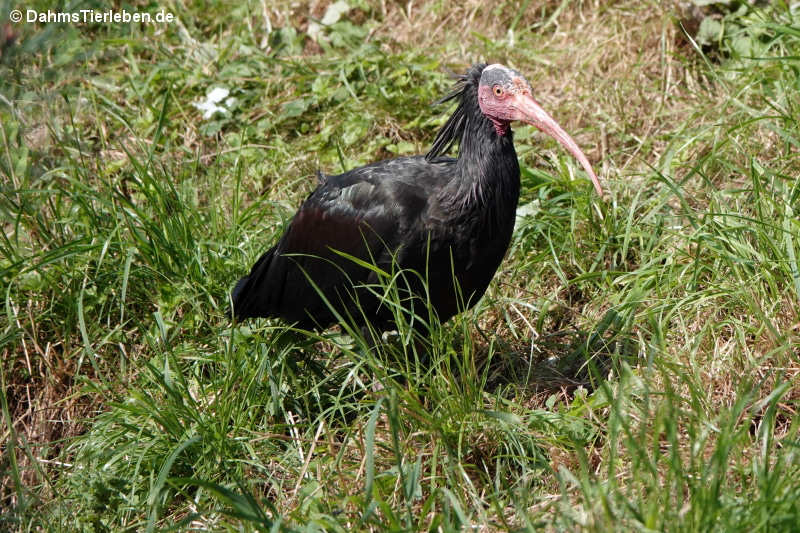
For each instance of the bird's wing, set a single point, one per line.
(366, 214)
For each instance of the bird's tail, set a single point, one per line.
(236, 296)
(246, 297)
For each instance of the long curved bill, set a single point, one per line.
(533, 114)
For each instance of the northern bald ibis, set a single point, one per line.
(446, 218)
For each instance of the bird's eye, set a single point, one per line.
(498, 90)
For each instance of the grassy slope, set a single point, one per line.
(634, 365)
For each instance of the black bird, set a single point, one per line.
(443, 217)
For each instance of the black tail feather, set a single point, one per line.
(236, 297)
(247, 302)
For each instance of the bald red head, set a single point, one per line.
(504, 95)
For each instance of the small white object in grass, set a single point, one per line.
(214, 97)
(314, 30)
(335, 12)
(331, 16)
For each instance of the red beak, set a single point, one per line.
(531, 113)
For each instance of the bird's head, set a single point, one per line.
(504, 95)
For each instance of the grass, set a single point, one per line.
(634, 365)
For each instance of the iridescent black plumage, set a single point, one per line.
(436, 215)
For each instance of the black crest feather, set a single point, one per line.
(466, 91)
